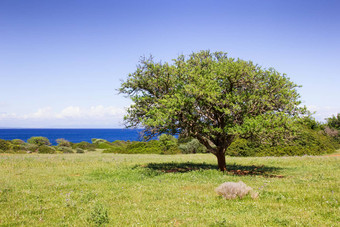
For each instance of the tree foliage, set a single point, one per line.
(168, 141)
(39, 141)
(213, 98)
(334, 122)
(63, 142)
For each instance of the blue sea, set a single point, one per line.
(72, 135)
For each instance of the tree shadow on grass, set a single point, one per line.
(234, 169)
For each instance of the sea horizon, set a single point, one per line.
(74, 135)
(62, 128)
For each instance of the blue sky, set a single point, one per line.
(61, 61)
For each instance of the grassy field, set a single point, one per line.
(158, 190)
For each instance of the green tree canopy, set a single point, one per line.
(39, 140)
(213, 98)
(334, 121)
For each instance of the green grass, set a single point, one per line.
(158, 190)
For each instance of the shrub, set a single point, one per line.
(85, 146)
(306, 142)
(104, 146)
(167, 141)
(39, 140)
(331, 132)
(98, 141)
(311, 123)
(4, 145)
(172, 150)
(65, 150)
(80, 151)
(241, 147)
(118, 146)
(15, 147)
(116, 150)
(334, 134)
(137, 147)
(63, 143)
(232, 190)
(334, 121)
(30, 147)
(44, 149)
(150, 147)
(120, 143)
(18, 142)
(192, 147)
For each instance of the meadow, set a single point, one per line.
(95, 189)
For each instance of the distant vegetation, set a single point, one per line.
(311, 138)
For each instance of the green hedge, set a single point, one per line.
(44, 149)
(137, 147)
(307, 142)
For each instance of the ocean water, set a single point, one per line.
(72, 135)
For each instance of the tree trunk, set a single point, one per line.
(221, 161)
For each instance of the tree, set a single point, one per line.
(334, 122)
(39, 141)
(168, 141)
(63, 142)
(213, 98)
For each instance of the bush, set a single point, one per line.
(80, 151)
(63, 143)
(120, 143)
(39, 140)
(104, 146)
(334, 134)
(241, 147)
(85, 146)
(306, 142)
(192, 147)
(116, 150)
(167, 141)
(232, 190)
(137, 147)
(334, 121)
(4, 145)
(18, 142)
(172, 150)
(98, 141)
(43, 149)
(118, 146)
(15, 147)
(311, 123)
(65, 150)
(331, 132)
(30, 147)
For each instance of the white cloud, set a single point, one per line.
(7, 115)
(44, 113)
(71, 116)
(323, 112)
(71, 112)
